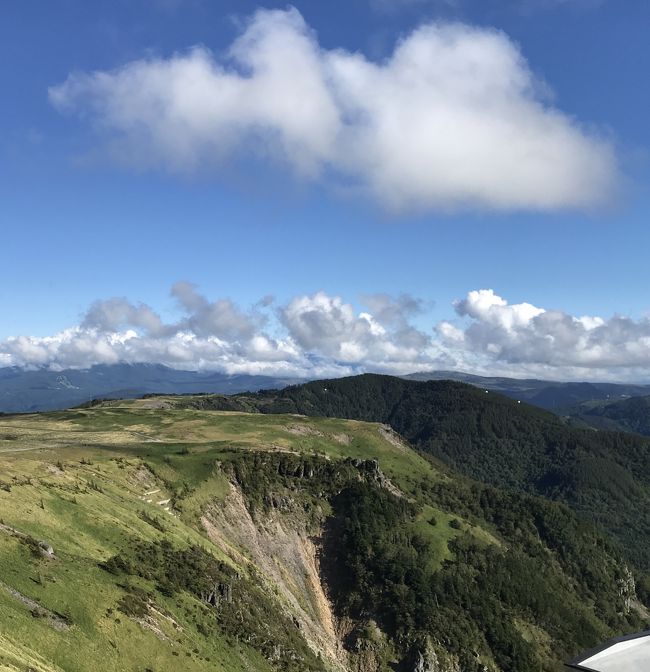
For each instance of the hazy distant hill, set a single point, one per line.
(43, 390)
(626, 415)
(552, 395)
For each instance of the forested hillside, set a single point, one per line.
(628, 415)
(552, 395)
(604, 476)
(143, 536)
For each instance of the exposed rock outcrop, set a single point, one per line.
(627, 589)
(278, 544)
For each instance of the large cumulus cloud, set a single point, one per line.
(524, 338)
(453, 118)
(317, 335)
(310, 336)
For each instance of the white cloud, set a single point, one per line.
(328, 326)
(221, 319)
(453, 118)
(525, 338)
(486, 306)
(317, 335)
(110, 315)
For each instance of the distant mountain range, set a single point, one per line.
(552, 395)
(626, 415)
(43, 390)
(616, 407)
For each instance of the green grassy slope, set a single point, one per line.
(604, 476)
(150, 508)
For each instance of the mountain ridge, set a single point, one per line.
(604, 476)
(242, 541)
(557, 396)
(31, 390)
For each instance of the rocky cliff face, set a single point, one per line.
(279, 545)
(283, 544)
(627, 589)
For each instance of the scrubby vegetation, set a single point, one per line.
(233, 604)
(604, 476)
(627, 415)
(164, 523)
(554, 572)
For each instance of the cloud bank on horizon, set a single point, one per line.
(526, 336)
(310, 336)
(452, 119)
(320, 335)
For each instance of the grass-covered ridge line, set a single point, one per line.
(166, 522)
(604, 476)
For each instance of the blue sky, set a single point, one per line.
(93, 209)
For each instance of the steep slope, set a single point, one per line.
(605, 476)
(628, 415)
(554, 396)
(184, 539)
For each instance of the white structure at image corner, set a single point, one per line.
(626, 654)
